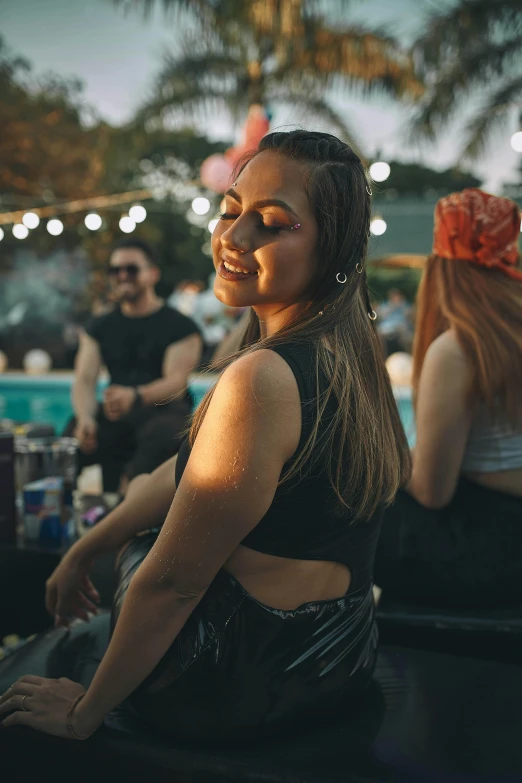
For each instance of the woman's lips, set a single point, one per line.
(228, 274)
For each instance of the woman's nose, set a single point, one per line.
(235, 239)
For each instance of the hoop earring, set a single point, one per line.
(369, 190)
(338, 275)
(359, 269)
(372, 316)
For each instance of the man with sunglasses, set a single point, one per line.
(149, 350)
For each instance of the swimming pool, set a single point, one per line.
(47, 399)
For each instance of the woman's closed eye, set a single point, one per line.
(229, 216)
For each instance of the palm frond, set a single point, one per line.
(493, 115)
(201, 7)
(464, 27)
(359, 57)
(313, 106)
(459, 79)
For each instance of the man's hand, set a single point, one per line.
(85, 432)
(118, 401)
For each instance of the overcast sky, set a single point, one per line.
(117, 56)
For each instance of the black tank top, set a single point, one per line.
(300, 523)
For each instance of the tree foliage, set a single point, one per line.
(273, 52)
(470, 50)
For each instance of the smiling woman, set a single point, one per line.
(256, 594)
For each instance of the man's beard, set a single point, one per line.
(130, 295)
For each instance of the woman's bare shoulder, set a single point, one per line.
(446, 349)
(262, 370)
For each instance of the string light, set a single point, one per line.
(93, 221)
(31, 220)
(516, 141)
(55, 227)
(380, 171)
(127, 224)
(137, 213)
(201, 205)
(20, 231)
(378, 226)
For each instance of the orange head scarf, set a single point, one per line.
(474, 226)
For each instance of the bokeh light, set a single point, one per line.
(1, 234)
(212, 225)
(516, 141)
(31, 220)
(137, 213)
(20, 231)
(201, 205)
(93, 221)
(379, 171)
(127, 224)
(378, 226)
(55, 227)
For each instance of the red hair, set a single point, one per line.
(484, 308)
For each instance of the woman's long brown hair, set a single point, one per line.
(364, 448)
(484, 308)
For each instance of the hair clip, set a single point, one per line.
(297, 225)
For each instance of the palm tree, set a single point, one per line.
(471, 49)
(272, 52)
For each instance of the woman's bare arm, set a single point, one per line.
(250, 430)
(443, 423)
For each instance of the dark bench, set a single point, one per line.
(428, 717)
(491, 633)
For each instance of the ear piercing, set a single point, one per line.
(293, 228)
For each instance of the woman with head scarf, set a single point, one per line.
(454, 536)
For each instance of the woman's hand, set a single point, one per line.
(43, 704)
(69, 591)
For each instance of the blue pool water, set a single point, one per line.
(47, 399)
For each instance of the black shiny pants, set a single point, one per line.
(240, 669)
(237, 670)
(465, 555)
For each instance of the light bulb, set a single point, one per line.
(138, 213)
(20, 231)
(379, 171)
(55, 227)
(378, 227)
(201, 205)
(31, 220)
(93, 221)
(127, 224)
(516, 141)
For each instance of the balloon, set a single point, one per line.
(37, 362)
(217, 170)
(216, 173)
(400, 367)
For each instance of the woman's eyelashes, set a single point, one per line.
(260, 225)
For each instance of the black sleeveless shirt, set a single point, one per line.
(300, 523)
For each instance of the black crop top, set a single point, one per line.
(300, 523)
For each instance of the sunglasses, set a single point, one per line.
(132, 270)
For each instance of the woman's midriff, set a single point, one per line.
(283, 583)
(508, 481)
